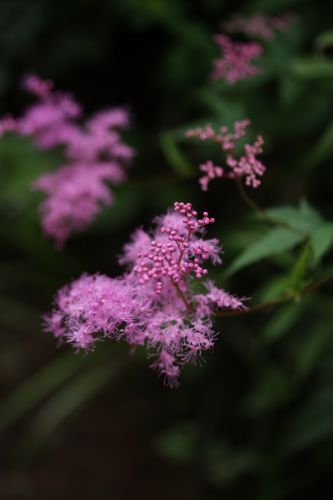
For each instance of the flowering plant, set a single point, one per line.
(94, 155)
(246, 166)
(155, 302)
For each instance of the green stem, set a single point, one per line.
(261, 211)
(288, 297)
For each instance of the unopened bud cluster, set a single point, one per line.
(241, 166)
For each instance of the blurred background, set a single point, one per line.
(256, 419)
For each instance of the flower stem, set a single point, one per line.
(262, 212)
(182, 296)
(288, 297)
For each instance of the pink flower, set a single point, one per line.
(75, 193)
(226, 139)
(218, 298)
(7, 124)
(36, 86)
(95, 156)
(235, 62)
(211, 171)
(245, 166)
(248, 166)
(153, 304)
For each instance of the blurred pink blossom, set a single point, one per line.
(263, 26)
(95, 156)
(235, 61)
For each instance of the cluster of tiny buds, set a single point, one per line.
(174, 259)
(190, 215)
(227, 139)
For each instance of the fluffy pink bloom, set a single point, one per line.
(92, 307)
(261, 26)
(75, 194)
(52, 112)
(235, 61)
(95, 156)
(153, 304)
(218, 298)
(109, 118)
(245, 166)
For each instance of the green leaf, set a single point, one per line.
(321, 240)
(296, 279)
(272, 289)
(275, 241)
(303, 218)
(174, 155)
(310, 68)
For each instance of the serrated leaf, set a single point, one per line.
(275, 241)
(321, 240)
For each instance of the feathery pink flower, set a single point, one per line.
(246, 166)
(95, 156)
(153, 304)
(235, 61)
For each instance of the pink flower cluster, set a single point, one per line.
(245, 166)
(95, 156)
(155, 303)
(262, 26)
(210, 172)
(235, 61)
